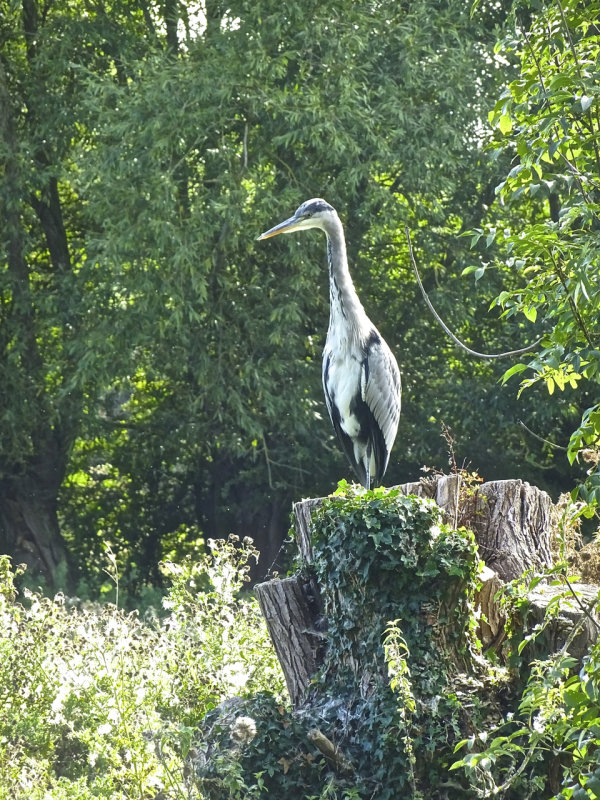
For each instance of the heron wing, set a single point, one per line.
(381, 390)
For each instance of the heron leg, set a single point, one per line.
(368, 467)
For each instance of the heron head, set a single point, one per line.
(315, 213)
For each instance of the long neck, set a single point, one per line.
(345, 307)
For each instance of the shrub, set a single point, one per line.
(96, 702)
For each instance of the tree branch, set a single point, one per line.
(443, 324)
(334, 757)
(575, 311)
(585, 609)
(541, 438)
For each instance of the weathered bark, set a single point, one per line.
(512, 527)
(574, 623)
(303, 511)
(491, 617)
(286, 607)
(444, 489)
(510, 520)
(292, 609)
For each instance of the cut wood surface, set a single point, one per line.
(512, 527)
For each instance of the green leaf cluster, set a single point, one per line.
(547, 746)
(545, 227)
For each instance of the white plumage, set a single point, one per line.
(361, 378)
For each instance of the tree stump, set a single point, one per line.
(511, 521)
(375, 635)
(512, 527)
(573, 623)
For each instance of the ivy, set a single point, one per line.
(397, 688)
(373, 550)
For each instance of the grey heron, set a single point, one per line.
(361, 378)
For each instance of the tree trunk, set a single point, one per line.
(29, 529)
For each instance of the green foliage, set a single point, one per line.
(95, 702)
(391, 693)
(353, 530)
(547, 746)
(160, 367)
(547, 122)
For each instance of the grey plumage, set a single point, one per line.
(361, 379)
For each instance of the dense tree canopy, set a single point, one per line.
(548, 120)
(160, 369)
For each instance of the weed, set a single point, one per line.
(97, 702)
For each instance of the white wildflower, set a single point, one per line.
(243, 730)
(539, 724)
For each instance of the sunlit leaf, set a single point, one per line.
(505, 124)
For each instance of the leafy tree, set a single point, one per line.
(160, 366)
(548, 122)
(49, 360)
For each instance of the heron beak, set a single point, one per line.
(284, 227)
